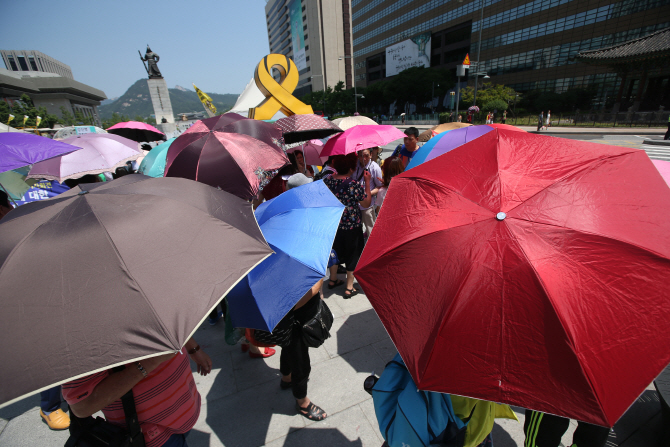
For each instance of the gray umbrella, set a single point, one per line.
(109, 273)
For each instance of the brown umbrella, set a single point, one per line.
(430, 133)
(301, 128)
(109, 273)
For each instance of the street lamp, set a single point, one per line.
(477, 75)
(356, 95)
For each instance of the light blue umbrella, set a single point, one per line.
(153, 164)
(300, 226)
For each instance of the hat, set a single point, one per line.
(297, 180)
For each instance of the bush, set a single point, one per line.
(495, 104)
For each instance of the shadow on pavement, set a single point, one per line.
(331, 437)
(357, 331)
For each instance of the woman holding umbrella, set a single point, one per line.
(349, 238)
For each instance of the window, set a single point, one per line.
(22, 63)
(33, 65)
(436, 41)
(435, 60)
(304, 28)
(307, 59)
(12, 63)
(303, 9)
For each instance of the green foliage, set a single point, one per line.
(566, 102)
(78, 119)
(138, 118)
(488, 93)
(23, 107)
(115, 119)
(495, 104)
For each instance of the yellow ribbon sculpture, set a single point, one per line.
(278, 95)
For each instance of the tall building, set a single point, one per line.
(316, 34)
(527, 45)
(32, 60)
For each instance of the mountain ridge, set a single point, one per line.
(137, 101)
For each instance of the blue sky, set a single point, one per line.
(214, 44)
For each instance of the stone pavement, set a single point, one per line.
(243, 406)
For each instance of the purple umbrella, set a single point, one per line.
(22, 149)
(100, 153)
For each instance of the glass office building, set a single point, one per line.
(527, 45)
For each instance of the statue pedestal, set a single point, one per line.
(161, 100)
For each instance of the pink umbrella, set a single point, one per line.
(361, 137)
(100, 152)
(311, 151)
(137, 131)
(664, 168)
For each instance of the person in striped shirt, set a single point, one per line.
(165, 394)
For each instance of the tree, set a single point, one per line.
(495, 104)
(115, 119)
(489, 92)
(25, 107)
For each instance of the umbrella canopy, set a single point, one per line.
(234, 123)
(100, 153)
(297, 128)
(115, 293)
(443, 143)
(436, 130)
(236, 163)
(360, 137)
(664, 169)
(153, 163)
(539, 265)
(311, 151)
(300, 226)
(23, 149)
(137, 131)
(351, 121)
(67, 132)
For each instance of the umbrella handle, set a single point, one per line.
(9, 195)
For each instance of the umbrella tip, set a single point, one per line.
(501, 216)
(82, 193)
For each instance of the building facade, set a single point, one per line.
(316, 34)
(49, 83)
(34, 61)
(527, 45)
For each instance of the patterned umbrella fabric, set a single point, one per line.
(539, 266)
(234, 162)
(100, 153)
(233, 123)
(298, 128)
(360, 137)
(311, 151)
(23, 149)
(137, 131)
(351, 121)
(115, 292)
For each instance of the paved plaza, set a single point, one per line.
(243, 406)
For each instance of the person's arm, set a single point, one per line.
(199, 356)
(365, 203)
(114, 386)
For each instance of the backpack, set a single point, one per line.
(407, 416)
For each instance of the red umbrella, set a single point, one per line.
(233, 162)
(528, 270)
(234, 123)
(137, 131)
(297, 128)
(361, 137)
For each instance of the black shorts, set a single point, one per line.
(349, 245)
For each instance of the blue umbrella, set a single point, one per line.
(447, 141)
(300, 226)
(153, 164)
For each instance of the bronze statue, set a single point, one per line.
(152, 59)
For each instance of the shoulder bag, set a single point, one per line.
(317, 329)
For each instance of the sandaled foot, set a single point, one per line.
(348, 293)
(312, 412)
(332, 284)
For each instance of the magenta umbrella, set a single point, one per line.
(101, 152)
(664, 168)
(137, 131)
(361, 137)
(311, 151)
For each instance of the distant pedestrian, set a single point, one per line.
(460, 119)
(548, 118)
(540, 121)
(504, 117)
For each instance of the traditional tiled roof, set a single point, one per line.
(650, 46)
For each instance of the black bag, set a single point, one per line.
(317, 330)
(90, 432)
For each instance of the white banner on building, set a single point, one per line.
(408, 53)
